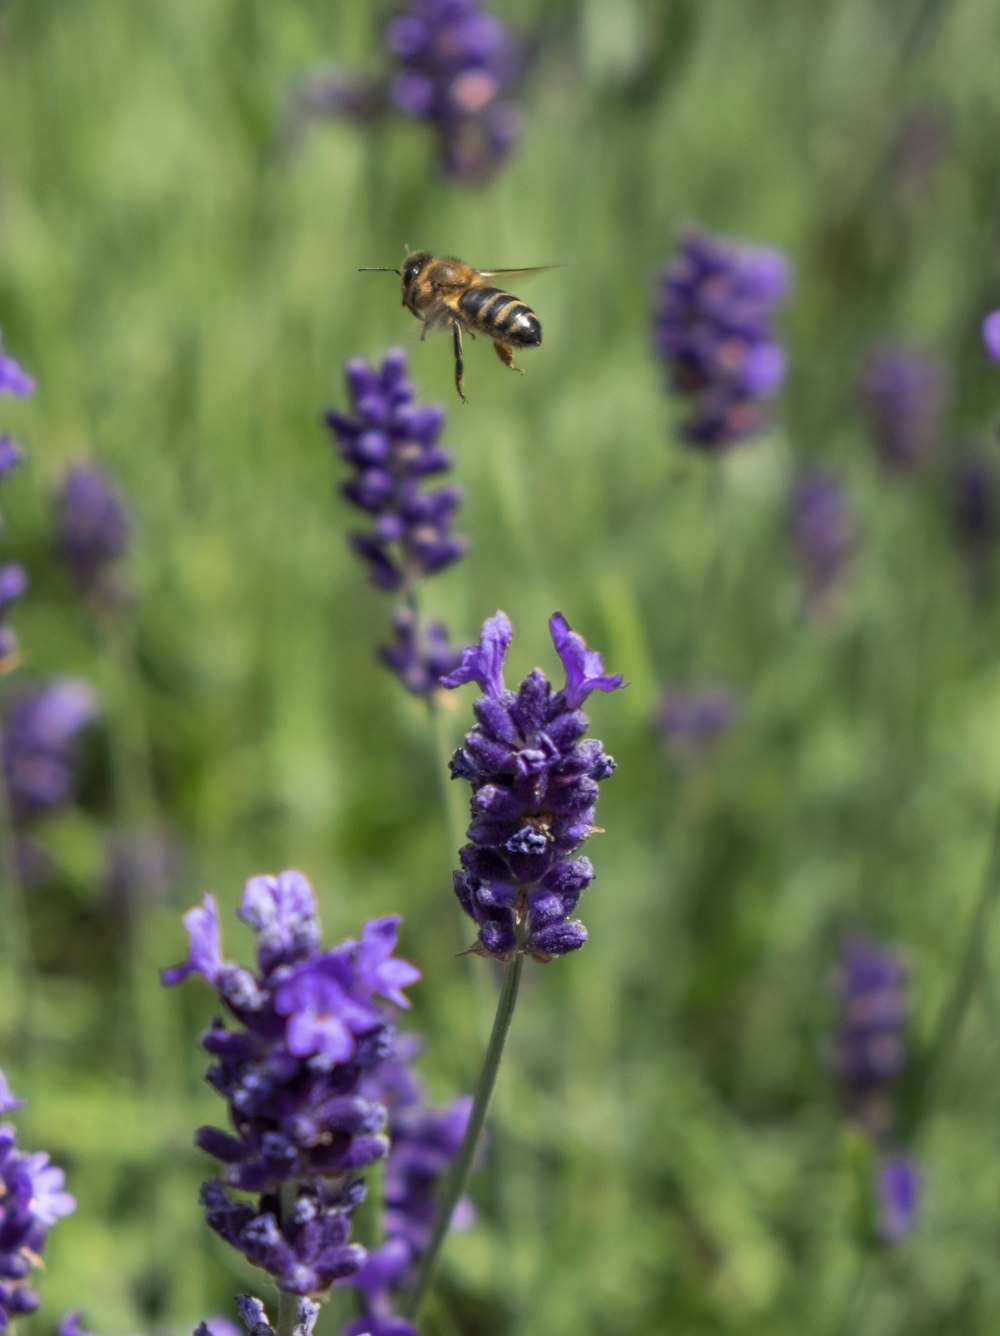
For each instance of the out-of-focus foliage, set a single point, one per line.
(178, 273)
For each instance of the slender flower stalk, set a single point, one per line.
(714, 329)
(308, 1029)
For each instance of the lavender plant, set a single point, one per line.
(693, 720)
(903, 392)
(534, 790)
(32, 1199)
(714, 329)
(307, 1032)
(450, 65)
(92, 532)
(870, 1056)
(392, 445)
(822, 531)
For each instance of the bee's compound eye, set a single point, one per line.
(411, 270)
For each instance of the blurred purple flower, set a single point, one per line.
(72, 1324)
(455, 68)
(308, 1031)
(897, 1195)
(823, 535)
(871, 1044)
(903, 392)
(92, 530)
(11, 455)
(13, 378)
(714, 329)
(39, 729)
(32, 1200)
(694, 719)
(991, 336)
(13, 583)
(976, 504)
(534, 793)
(392, 445)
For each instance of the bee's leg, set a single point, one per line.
(424, 326)
(506, 355)
(456, 338)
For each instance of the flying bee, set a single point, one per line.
(445, 293)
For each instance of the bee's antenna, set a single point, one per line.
(379, 269)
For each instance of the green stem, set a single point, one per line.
(477, 1117)
(288, 1304)
(954, 1009)
(15, 935)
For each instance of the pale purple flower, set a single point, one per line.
(898, 1190)
(92, 530)
(694, 719)
(13, 378)
(38, 733)
(823, 534)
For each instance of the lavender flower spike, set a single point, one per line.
(13, 378)
(32, 1200)
(37, 741)
(308, 1029)
(92, 530)
(456, 65)
(534, 791)
(991, 336)
(903, 391)
(714, 329)
(392, 446)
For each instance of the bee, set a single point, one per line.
(445, 293)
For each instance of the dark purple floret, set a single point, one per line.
(32, 1199)
(823, 535)
(903, 392)
(991, 336)
(871, 1045)
(455, 68)
(256, 1322)
(897, 1195)
(37, 743)
(421, 654)
(534, 791)
(307, 1030)
(92, 530)
(714, 329)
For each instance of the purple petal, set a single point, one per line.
(584, 669)
(378, 970)
(991, 336)
(205, 956)
(483, 663)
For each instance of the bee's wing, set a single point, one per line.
(532, 269)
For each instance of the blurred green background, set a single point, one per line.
(178, 270)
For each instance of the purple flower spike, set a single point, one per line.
(392, 446)
(584, 669)
(307, 1031)
(92, 530)
(483, 663)
(456, 65)
(991, 336)
(714, 330)
(32, 1200)
(37, 744)
(903, 392)
(897, 1192)
(13, 378)
(534, 791)
(823, 535)
(8, 1100)
(11, 455)
(72, 1324)
(694, 720)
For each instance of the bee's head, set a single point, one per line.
(413, 267)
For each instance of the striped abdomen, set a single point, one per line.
(504, 318)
